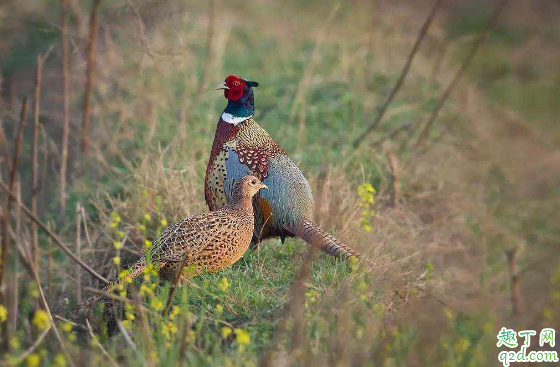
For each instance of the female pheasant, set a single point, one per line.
(242, 147)
(210, 241)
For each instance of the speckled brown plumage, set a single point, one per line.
(210, 241)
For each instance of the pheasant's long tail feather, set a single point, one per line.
(133, 272)
(315, 236)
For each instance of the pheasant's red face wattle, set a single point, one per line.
(235, 85)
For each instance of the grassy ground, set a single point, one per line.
(435, 288)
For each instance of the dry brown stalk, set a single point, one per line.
(56, 240)
(514, 281)
(12, 290)
(89, 74)
(35, 157)
(50, 259)
(404, 72)
(66, 108)
(4, 145)
(395, 173)
(466, 63)
(174, 286)
(77, 271)
(6, 236)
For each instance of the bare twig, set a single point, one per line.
(89, 75)
(78, 273)
(35, 157)
(6, 239)
(50, 260)
(174, 286)
(395, 173)
(12, 277)
(400, 81)
(466, 63)
(4, 144)
(98, 345)
(514, 280)
(56, 240)
(66, 108)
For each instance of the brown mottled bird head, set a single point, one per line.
(247, 187)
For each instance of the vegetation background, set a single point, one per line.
(459, 226)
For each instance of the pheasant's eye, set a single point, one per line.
(236, 83)
(254, 182)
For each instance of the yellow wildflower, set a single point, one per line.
(142, 227)
(157, 304)
(3, 313)
(32, 289)
(59, 360)
(117, 245)
(41, 320)
(113, 225)
(225, 331)
(148, 244)
(242, 336)
(67, 326)
(120, 234)
(219, 309)
(117, 260)
(224, 284)
(33, 360)
(147, 217)
(163, 223)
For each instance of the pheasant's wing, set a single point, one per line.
(189, 235)
(288, 194)
(288, 197)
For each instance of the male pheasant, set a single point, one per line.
(242, 147)
(210, 241)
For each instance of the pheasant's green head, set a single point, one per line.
(241, 103)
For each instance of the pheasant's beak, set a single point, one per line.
(222, 86)
(263, 186)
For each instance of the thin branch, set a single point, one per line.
(400, 81)
(395, 173)
(89, 75)
(78, 273)
(6, 239)
(66, 108)
(514, 281)
(174, 286)
(57, 241)
(35, 155)
(479, 41)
